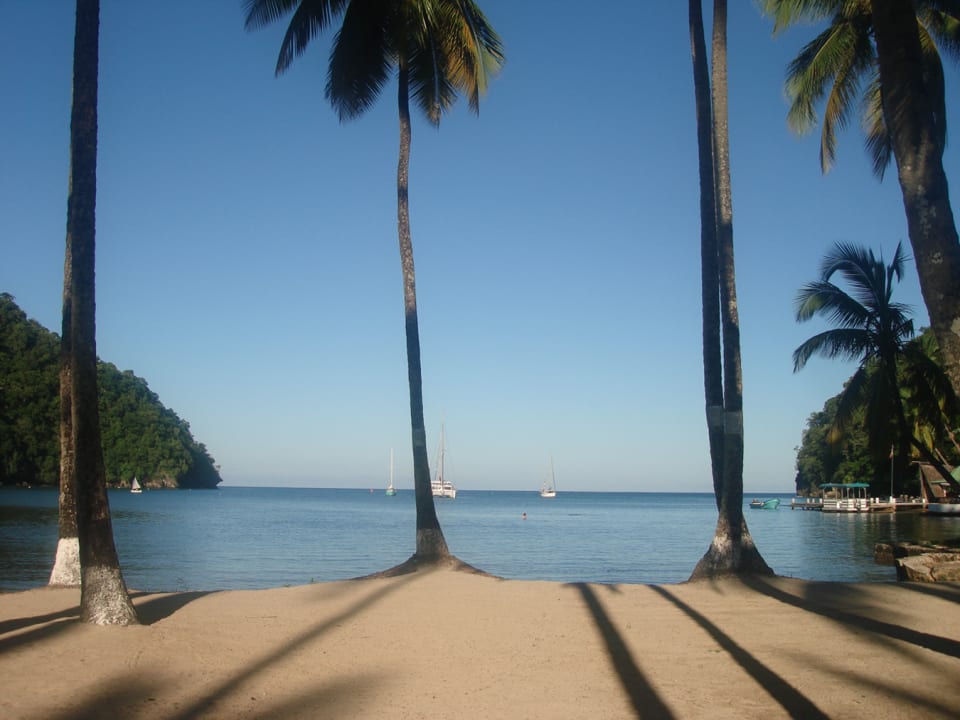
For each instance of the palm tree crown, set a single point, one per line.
(839, 67)
(446, 46)
(869, 324)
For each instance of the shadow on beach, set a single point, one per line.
(647, 704)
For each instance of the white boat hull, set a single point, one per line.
(443, 489)
(943, 508)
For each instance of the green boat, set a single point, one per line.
(771, 504)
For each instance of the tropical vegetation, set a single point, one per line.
(439, 48)
(141, 437)
(899, 398)
(887, 55)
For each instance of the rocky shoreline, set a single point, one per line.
(921, 561)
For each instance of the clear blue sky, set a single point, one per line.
(247, 261)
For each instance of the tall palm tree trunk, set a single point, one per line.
(908, 113)
(103, 598)
(709, 261)
(66, 564)
(430, 541)
(732, 551)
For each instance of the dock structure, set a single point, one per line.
(863, 504)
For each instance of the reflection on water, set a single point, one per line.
(269, 537)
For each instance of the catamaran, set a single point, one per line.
(440, 486)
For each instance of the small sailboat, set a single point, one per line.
(441, 487)
(549, 487)
(391, 490)
(135, 486)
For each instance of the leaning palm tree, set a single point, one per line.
(438, 48)
(732, 551)
(103, 595)
(875, 331)
(887, 55)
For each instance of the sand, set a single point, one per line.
(447, 644)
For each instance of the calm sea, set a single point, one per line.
(238, 537)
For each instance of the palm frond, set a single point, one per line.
(452, 49)
(310, 18)
(361, 57)
(790, 12)
(878, 143)
(843, 343)
(260, 13)
(473, 47)
(431, 87)
(830, 302)
(941, 18)
(859, 267)
(809, 75)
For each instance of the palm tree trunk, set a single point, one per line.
(103, 598)
(66, 564)
(709, 262)
(431, 544)
(909, 115)
(732, 551)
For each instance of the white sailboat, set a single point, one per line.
(549, 487)
(440, 486)
(135, 486)
(391, 490)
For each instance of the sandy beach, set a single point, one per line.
(445, 644)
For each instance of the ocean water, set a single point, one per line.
(240, 537)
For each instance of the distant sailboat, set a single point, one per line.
(549, 487)
(441, 487)
(391, 490)
(135, 486)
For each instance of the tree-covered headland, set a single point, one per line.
(899, 407)
(141, 437)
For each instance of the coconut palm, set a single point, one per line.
(439, 48)
(875, 331)
(103, 596)
(887, 54)
(839, 70)
(732, 551)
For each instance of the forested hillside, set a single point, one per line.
(853, 458)
(141, 437)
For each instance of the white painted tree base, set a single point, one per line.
(104, 599)
(66, 566)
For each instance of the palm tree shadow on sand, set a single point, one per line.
(815, 602)
(792, 700)
(646, 703)
(126, 696)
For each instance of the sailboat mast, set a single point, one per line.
(440, 461)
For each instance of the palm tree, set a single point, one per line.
(889, 50)
(439, 48)
(103, 596)
(876, 331)
(732, 551)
